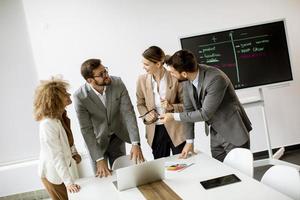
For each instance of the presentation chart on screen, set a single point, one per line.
(250, 56)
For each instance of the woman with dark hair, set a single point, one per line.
(58, 152)
(157, 93)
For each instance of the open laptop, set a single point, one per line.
(136, 175)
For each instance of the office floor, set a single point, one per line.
(292, 156)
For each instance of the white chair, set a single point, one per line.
(122, 161)
(240, 159)
(284, 179)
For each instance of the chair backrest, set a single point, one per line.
(122, 161)
(284, 179)
(240, 159)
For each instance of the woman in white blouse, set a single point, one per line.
(56, 155)
(157, 93)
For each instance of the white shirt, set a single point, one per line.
(102, 96)
(159, 94)
(196, 81)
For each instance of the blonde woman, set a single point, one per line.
(157, 93)
(58, 152)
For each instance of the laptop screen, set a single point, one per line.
(140, 174)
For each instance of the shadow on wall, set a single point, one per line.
(19, 139)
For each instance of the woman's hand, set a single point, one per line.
(73, 188)
(165, 104)
(152, 116)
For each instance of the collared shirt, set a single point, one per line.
(102, 96)
(196, 81)
(159, 93)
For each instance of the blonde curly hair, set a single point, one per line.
(49, 98)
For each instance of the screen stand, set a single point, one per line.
(271, 160)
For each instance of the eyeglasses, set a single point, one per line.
(102, 74)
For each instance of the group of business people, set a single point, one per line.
(169, 100)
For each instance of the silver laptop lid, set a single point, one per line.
(136, 175)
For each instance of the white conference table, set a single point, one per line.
(185, 183)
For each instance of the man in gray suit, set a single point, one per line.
(210, 97)
(106, 117)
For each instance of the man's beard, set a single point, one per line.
(104, 83)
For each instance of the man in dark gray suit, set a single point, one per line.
(106, 117)
(210, 97)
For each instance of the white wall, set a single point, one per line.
(18, 133)
(18, 78)
(65, 33)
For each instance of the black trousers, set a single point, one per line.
(116, 148)
(162, 143)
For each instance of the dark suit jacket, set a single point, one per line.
(97, 122)
(220, 106)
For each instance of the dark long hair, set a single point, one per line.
(154, 54)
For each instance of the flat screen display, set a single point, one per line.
(250, 56)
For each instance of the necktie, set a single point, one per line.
(196, 96)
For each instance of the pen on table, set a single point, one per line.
(185, 167)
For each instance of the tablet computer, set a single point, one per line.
(220, 181)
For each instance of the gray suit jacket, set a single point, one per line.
(220, 106)
(97, 122)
